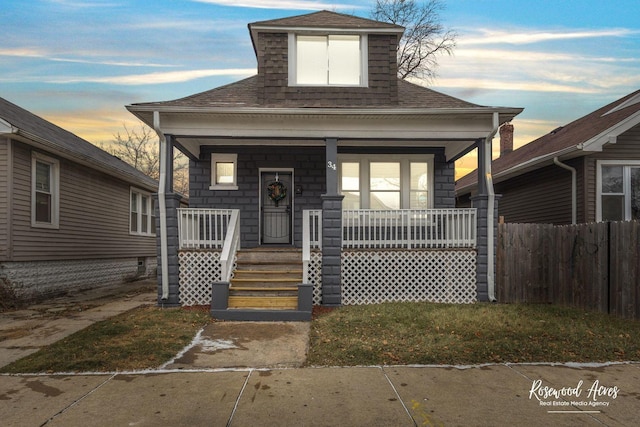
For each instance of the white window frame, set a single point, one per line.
(364, 61)
(224, 158)
(139, 214)
(405, 175)
(626, 184)
(54, 190)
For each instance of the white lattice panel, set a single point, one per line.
(198, 270)
(371, 277)
(315, 276)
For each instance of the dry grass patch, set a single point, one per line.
(142, 338)
(424, 333)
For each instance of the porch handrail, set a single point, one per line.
(311, 238)
(203, 228)
(231, 245)
(409, 228)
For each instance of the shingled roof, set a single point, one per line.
(578, 136)
(327, 19)
(66, 144)
(244, 94)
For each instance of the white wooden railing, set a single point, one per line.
(409, 228)
(211, 229)
(311, 238)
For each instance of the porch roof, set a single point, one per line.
(232, 115)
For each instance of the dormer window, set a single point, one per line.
(327, 60)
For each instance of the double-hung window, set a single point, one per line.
(45, 191)
(386, 182)
(328, 60)
(618, 190)
(142, 220)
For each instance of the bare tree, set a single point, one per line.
(139, 147)
(424, 38)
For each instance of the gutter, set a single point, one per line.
(162, 206)
(574, 192)
(491, 198)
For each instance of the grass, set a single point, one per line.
(138, 339)
(393, 333)
(423, 333)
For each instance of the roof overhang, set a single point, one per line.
(6, 128)
(454, 129)
(610, 136)
(88, 161)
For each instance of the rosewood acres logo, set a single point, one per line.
(587, 396)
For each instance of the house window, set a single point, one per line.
(45, 184)
(142, 220)
(224, 171)
(386, 182)
(618, 191)
(328, 60)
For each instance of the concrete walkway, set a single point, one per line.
(206, 384)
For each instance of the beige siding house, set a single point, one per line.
(71, 215)
(586, 171)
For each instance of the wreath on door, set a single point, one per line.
(277, 191)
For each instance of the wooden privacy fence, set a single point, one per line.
(591, 266)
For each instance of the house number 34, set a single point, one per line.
(331, 165)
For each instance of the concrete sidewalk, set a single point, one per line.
(495, 395)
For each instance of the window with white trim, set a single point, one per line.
(618, 190)
(386, 181)
(224, 171)
(328, 60)
(45, 191)
(142, 220)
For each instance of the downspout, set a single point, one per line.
(574, 191)
(491, 198)
(162, 206)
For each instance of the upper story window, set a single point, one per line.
(328, 60)
(45, 191)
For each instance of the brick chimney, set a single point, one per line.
(506, 139)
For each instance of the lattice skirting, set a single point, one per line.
(197, 271)
(371, 277)
(314, 274)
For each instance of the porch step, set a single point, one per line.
(265, 280)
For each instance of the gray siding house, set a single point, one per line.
(71, 215)
(585, 171)
(324, 179)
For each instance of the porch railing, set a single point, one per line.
(311, 238)
(409, 228)
(211, 229)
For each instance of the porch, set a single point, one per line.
(385, 255)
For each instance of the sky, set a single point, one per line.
(78, 63)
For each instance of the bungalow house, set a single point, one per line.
(71, 215)
(329, 172)
(585, 171)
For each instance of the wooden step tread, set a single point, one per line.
(285, 302)
(268, 271)
(267, 280)
(265, 289)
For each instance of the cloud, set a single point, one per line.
(524, 85)
(158, 78)
(528, 37)
(280, 4)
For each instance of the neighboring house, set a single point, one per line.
(586, 171)
(71, 215)
(324, 151)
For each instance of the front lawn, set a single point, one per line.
(425, 333)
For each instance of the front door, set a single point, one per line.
(276, 207)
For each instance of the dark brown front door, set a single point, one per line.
(276, 207)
